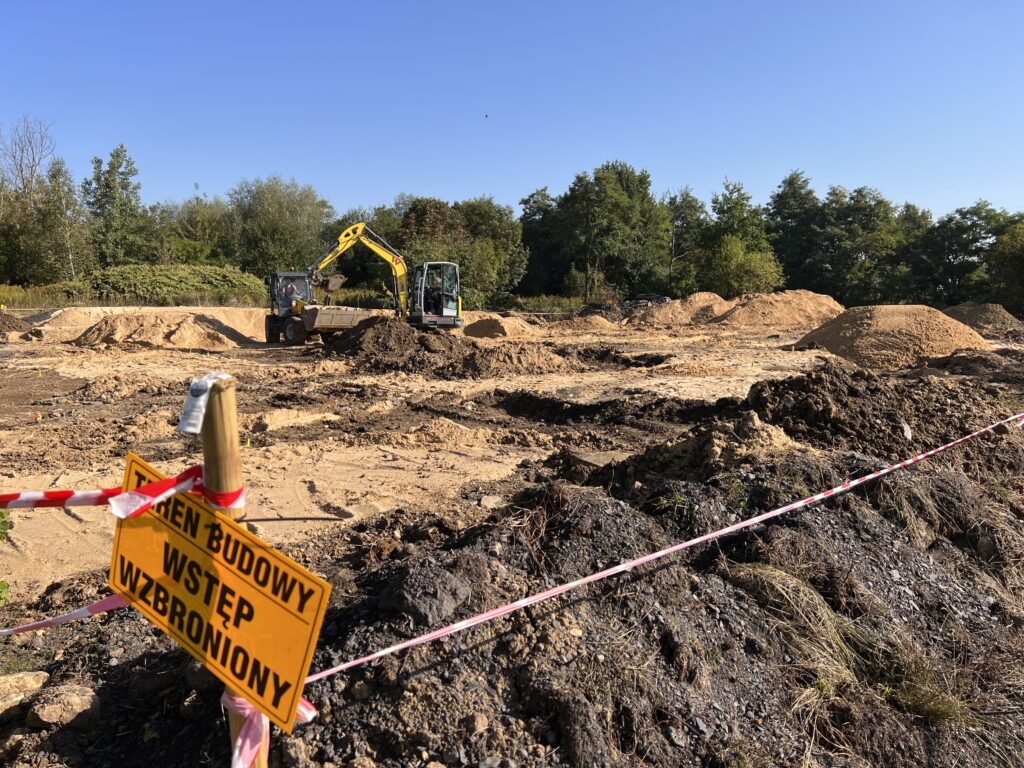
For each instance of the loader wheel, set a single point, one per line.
(294, 332)
(271, 330)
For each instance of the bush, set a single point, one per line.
(177, 284)
(733, 270)
(159, 285)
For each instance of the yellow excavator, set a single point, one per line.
(434, 302)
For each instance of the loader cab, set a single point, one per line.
(435, 300)
(286, 288)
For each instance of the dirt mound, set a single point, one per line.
(167, 330)
(584, 323)
(986, 319)
(12, 324)
(241, 324)
(383, 344)
(787, 310)
(892, 337)
(496, 327)
(700, 307)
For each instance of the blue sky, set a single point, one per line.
(922, 100)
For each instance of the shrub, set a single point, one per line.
(160, 285)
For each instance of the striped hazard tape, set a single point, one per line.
(126, 504)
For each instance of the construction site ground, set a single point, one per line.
(432, 476)
(324, 446)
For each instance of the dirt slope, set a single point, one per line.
(166, 330)
(70, 323)
(893, 337)
(986, 319)
(699, 307)
(784, 310)
(498, 327)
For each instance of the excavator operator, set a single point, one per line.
(432, 299)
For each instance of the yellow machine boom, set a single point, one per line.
(360, 233)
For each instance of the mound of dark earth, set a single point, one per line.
(884, 628)
(10, 323)
(386, 344)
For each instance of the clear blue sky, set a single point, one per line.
(921, 99)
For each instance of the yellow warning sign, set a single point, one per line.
(243, 609)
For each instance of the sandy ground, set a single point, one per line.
(322, 446)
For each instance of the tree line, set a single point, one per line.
(607, 235)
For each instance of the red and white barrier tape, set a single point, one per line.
(126, 504)
(109, 603)
(255, 730)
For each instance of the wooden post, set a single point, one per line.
(222, 472)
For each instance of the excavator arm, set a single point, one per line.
(360, 233)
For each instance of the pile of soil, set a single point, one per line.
(892, 337)
(700, 307)
(884, 628)
(12, 324)
(242, 324)
(166, 330)
(789, 310)
(386, 344)
(498, 327)
(986, 319)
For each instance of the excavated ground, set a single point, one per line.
(431, 476)
(884, 628)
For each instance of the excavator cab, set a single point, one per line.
(435, 301)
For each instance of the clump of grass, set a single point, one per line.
(845, 661)
(812, 630)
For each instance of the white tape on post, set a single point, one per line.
(195, 403)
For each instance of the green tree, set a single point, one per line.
(278, 224)
(117, 219)
(196, 231)
(547, 263)
(64, 224)
(733, 269)
(44, 237)
(1006, 260)
(792, 221)
(690, 220)
(735, 255)
(949, 265)
(736, 215)
(613, 229)
(498, 239)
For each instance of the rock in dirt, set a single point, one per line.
(427, 593)
(71, 705)
(892, 337)
(987, 319)
(788, 310)
(14, 689)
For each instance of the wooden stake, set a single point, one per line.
(222, 472)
